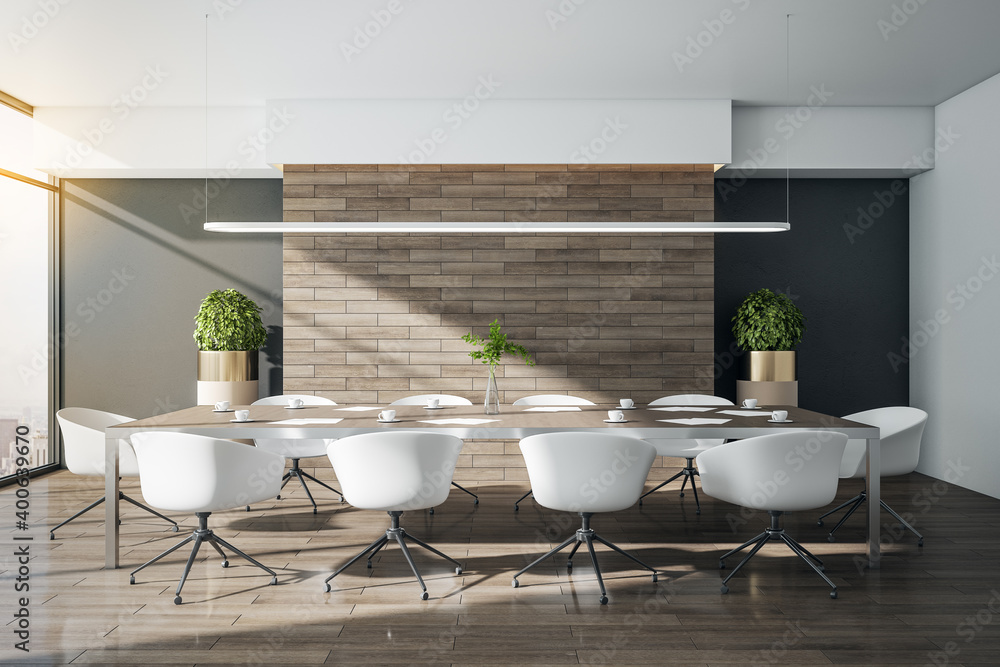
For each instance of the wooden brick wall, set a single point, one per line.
(372, 318)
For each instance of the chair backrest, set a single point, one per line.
(443, 399)
(83, 436)
(784, 472)
(193, 473)
(691, 399)
(586, 472)
(297, 447)
(552, 399)
(675, 447)
(900, 431)
(395, 470)
(282, 399)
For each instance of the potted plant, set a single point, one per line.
(229, 332)
(491, 349)
(767, 326)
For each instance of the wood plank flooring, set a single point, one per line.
(936, 605)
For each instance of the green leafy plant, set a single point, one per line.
(229, 320)
(495, 347)
(766, 321)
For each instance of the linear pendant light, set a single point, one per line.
(510, 227)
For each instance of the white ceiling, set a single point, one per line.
(91, 52)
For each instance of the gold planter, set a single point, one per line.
(227, 376)
(769, 366)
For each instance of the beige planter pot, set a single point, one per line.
(228, 376)
(769, 377)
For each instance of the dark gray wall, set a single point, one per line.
(136, 264)
(855, 296)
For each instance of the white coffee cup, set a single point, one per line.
(433, 402)
(295, 403)
(779, 415)
(242, 415)
(387, 415)
(616, 415)
(221, 406)
(750, 403)
(626, 402)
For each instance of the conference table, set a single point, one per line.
(470, 423)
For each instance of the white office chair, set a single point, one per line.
(443, 399)
(547, 400)
(783, 472)
(297, 448)
(900, 431)
(181, 472)
(686, 449)
(83, 435)
(394, 472)
(586, 473)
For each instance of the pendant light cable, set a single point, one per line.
(206, 119)
(788, 107)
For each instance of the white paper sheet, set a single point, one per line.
(683, 408)
(458, 420)
(302, 422)
(553, 408)
(694, 421)
(358, 408)
(746, 413)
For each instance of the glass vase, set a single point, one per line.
(491, 405)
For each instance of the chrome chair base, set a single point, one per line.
(202, 534)
(394, 532)
(775, 532)
(301, 475)
(585, 535)
(856, 502)
(121, 496)
(688, 473)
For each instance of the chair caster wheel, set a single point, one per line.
(225, 563)
(604, 599)
(722, 565)
(326, 588)
(475, 501)
(52, 536)
(655, 578)
(698, 511)
(831, 538)
(640, 503)
(278, 497)
(920, 542)
(514, 583)
(431, 512)
(369, 563)
(458, 570)
(569, 566)
(516, 508)
(248, 508)
(682, 495)
(174, 528)
(724, 589)
(119, 522)
(820, 522)
(833, 594)
(274, 581)
(822, 568)
(342, 499)
(131, 580)
(177, 600)
(314, 511)
(424, 596)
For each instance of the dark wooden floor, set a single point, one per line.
(936, 605)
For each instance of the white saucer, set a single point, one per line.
(388, 421)
(743, 407)
(632, 408)
(288, 407)
(229, 410)
(245, 421)
(427, 407)
(787, 421)
(616, 421)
